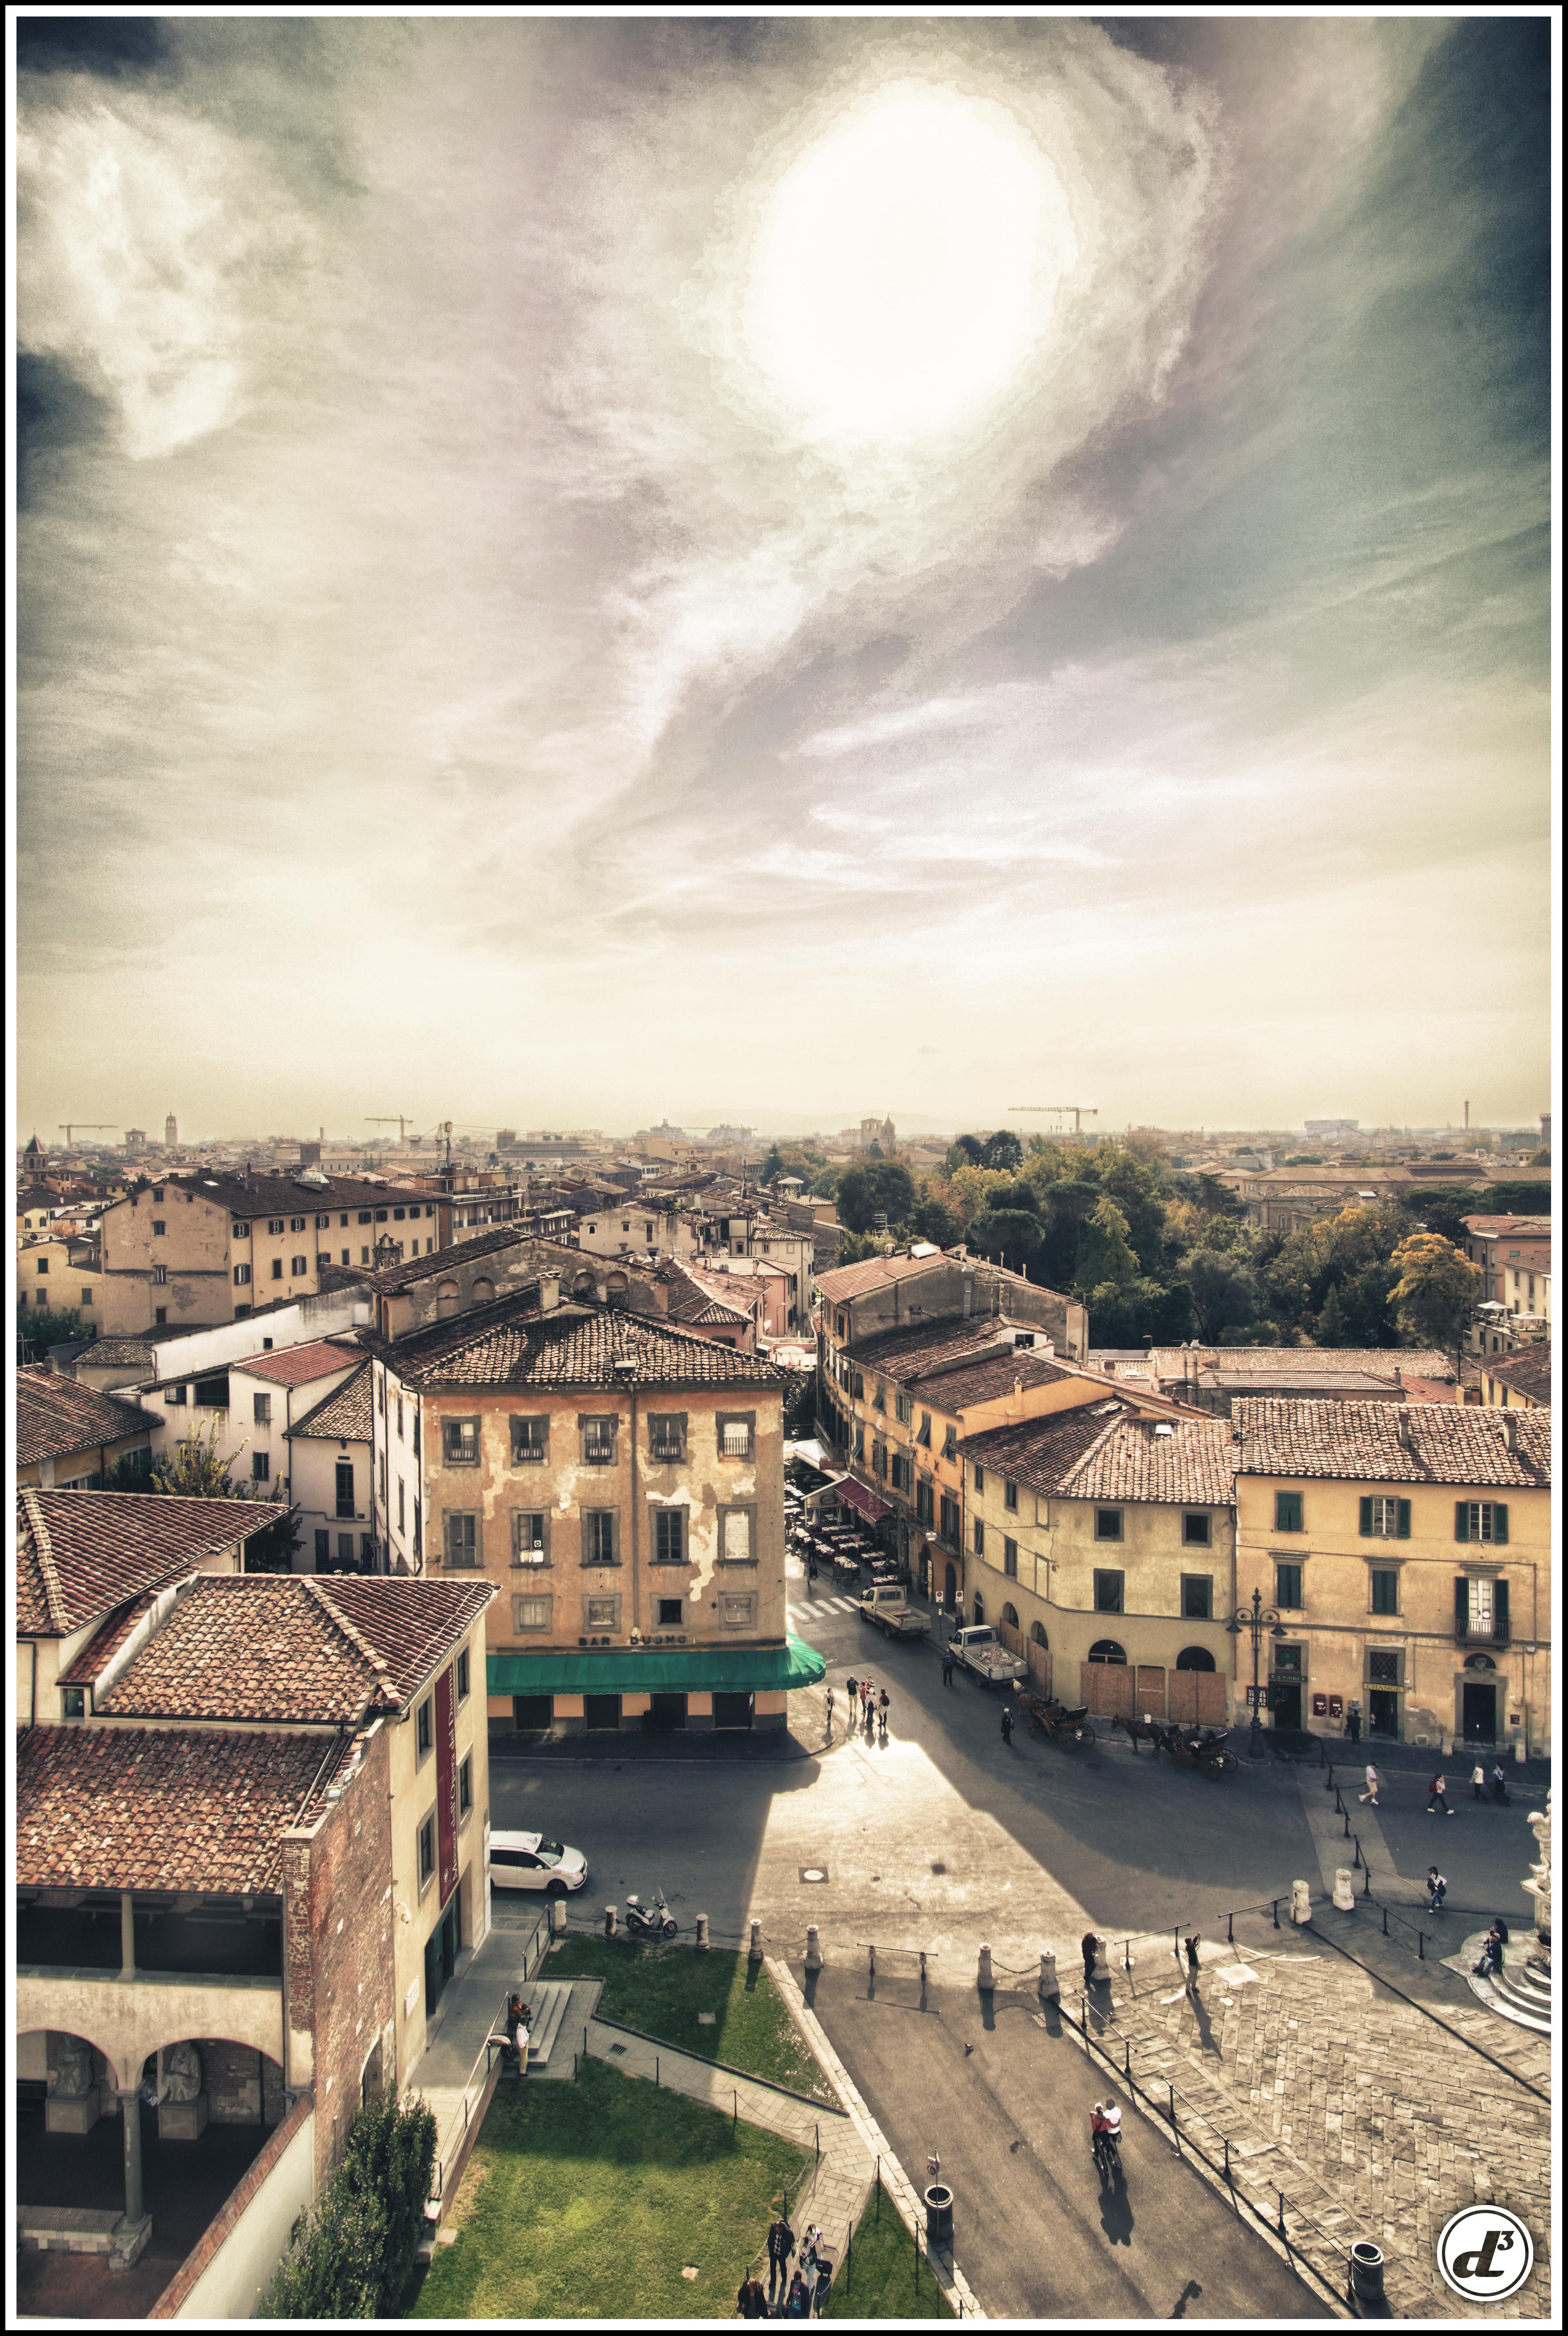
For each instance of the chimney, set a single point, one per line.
(1510, 1429)
(1405, 1438)
(968, 1278)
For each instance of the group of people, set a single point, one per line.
(797, 2294)
(869, 1707)
(1437, 1801)
(519, 2021)
(1490, 1957)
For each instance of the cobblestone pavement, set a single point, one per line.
(1376, 2121)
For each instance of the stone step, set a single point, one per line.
(1524, 1988)
(550, 2001)
(1494, 2001)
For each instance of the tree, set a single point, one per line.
(972, 1149)
(1010, 1234)
(1013, 1193)
(876, 1188)
(1524, 1199)
(39, 1328)
(1139, 1313)
(1106, 1254)
(1331, 1330)
(1224, 1293)
(195, 1469)
(1436, 1293)
(355, 2257)
(773, 1167)
(1003, 1150)
(933, 1222)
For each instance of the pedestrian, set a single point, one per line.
(1007, 1723)
(853, 1691)
(1437, 1890)
(780, 2247)
(830, 1715)
(824, 2287)
(1478, 1782)
(947, 1666)
(1491, 1961)
(1091, 1944)
(797, 2302)
(882, 1709)
(1438, 1797)
(751, 2302)
(1353, 1721)
(811, 1570)
(1499, 1784)
(1372, 1792)
(1191, 1945)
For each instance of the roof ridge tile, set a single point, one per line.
(356, 1639)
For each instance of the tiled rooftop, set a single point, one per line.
(929, 1346)
(267, 1193)
(155, 1808)
(297, 1366)
(1504, 1228)
(295, 1648)
(1188, 1461)
(986, 1377)
(1040, 1453)
(344, 1416)
(693, 1298)
(870, 1273)
(1300, 1363)
(1448, 1444)
(1529, 1372)
(79, 1555)
(505, 1344)
(411, 1270)
(56, 1415)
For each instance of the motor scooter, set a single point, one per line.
(653, 1921)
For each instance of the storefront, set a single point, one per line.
(571, 1692)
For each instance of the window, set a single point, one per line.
(241, 1276)
(1288, 1513)
(530, 1542)
(598, 1438)
(460, 1443)
(399, 1214)
(668, 1536)
(1009, 1557)
(1385, 1589)
(601, 1536)
(530, 1439)
(1196, 1531)
(277, 1270)
(323, 1548)
(275, 1224)
(904, 1409)
(296, 1224)
(667, 1435)
(669, 1611)
(465, 1784)
(365, 1218)
(72, 1703)
(1106, 1650)
(858, 1386)
(737, 1536)
(260, 1466)
(1194, 1658)
(363, 1257)
(261, 1409)
(1481, 1521)
(878, 1459)
(901, 1472)
(427, 1852)
(737, 1431)
(241, 1232)
(1197, 1596)
(174, 1395)
(1108, 1525)
(602, 1613)
(380, 1394)
(1108, 1592)
(323, 1224)
(1385, 1666)
(531, 1614)
(924, 1437)
(949, 1528)
(1010, 1497)
(1036, 1632)
(462, 1537)
(159, 1272)
(345, 1549)
(424, 1727)
(346, 1504)
(1386, 1520)
(1010, 1616)
(924, 1506)
(857, 1449)
(299, 1265)
(1288, 1587)
(950, 1443)
(160, 1314)
(1481, 1609)
(979, 1537)
(401, 1438)
(979, 1477)
(879, 1397)
(737, 1608)
(159, 1225)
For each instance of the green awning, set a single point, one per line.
(654, 1670)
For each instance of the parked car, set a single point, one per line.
(886, 1605)
(979, 1650)
(526, 1861)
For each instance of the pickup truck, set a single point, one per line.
(979, 1650)
(886, 1605)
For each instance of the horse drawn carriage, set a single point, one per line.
(1199, 1748)
(1048, 1718)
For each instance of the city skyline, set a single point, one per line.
(956, 553)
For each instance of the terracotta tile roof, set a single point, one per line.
(159, 1808)
(297, 1366)
(56, 1415)
(80, 1556)
(987, 1377)
(928, 1346)
(1040, 1453)
(1529, 1372)
(510, 1344)
(344, 1416)
(1448, 1443)
(694, 1298)
(870, 1273)
(441, 1260)
(295, 1648)
(1186, 1462)
(118, 1351)
(268, 1193)
(104, 1644)
(1302, 1362)
(1511, 1228)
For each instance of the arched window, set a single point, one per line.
(979, 1607)
(484, 1290)
(583, 1286)
(1036, 1632)
(446, 1298)
(1194, 1658)
(1106, 1650)
(1010, 1616)
(1479, 1663)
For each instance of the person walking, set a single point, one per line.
(854, 1694)
(797, 2302)
(1438, 1797)
(1007, 1723)
(830, 1715)
(1091, 1946)
(947, 1666)
(1500, 1785)
(1353, 1721)
(1437, 1890)
(1372, 1792)
(1478, 1782)
(780, 2247)
(1190, 1945)
(882, 1709)
(750, 2301)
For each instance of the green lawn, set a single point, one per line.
(662, 1989)
(588, 2200)
(878, 2279)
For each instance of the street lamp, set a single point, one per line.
(1256, 1618)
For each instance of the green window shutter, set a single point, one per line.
(1366, 1515)
(1500, 1614)
(1461, 1521)
(1404, 1534)
(1499, 1520)
(1461, 1605)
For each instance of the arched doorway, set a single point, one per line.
(1478, 1700)
(1197, 1692)
(1194, 1658)
(448, 1298)
(1010, 1616)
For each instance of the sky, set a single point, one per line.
(571, 570)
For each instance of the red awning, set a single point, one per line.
(861, 1497)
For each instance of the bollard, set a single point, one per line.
(939, 2214)
(871, 1962)
(754, 1951)
(1338, 1803)
(655, 2072)
(1356, 1861)
(702, 1929)
(984, 1980)
(1127, 2058)
(1301, 1902)
(1420, 1946)
(1229, 1929)
(609, 1921)
(1385, 1921)
(558, 1917)
(813, 1948)
(1367, 2271)
(1347, 1818)
(1049, 1986)
(1127, 1956)
(1344, 1890)
(1228, 2141)
(1277, 1913)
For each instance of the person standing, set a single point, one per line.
(1437, 1890)
(947, 1666)
(882, 1709)
(1499, 1784)
(780, 2247)
(1007, 1723)
(750, 2301)
(1353, 1721)
(830, 1715)
(1191, 1945)
(854, 1693)
(1478, 1782)
(1372, 1792)
(1091, 1946)
(1438, 1797)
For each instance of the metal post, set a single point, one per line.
(1126, 2057)
(1356, 1861)
(735, 2112)
(1171, 2087)
(1338, 1803)
(1385, 1921)
(1229, 1929)
(1420, 1946)
(1366, 1876)
(655, 2072)
(1277, 1913)
(1282, 2214)
(1227, 2140)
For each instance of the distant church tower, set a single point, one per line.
(171, 1131)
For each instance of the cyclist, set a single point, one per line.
(1105, 2131)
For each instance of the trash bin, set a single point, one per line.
(939, 2214)
(1367, 2271)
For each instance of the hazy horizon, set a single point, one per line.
(983, 559)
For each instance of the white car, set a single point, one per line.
(526, 1861)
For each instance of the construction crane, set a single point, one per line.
(1080, 1111)
(387, 1120)
(71, 1125)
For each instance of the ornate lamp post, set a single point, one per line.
(1257, 1618)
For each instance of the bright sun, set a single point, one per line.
(903, 269)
